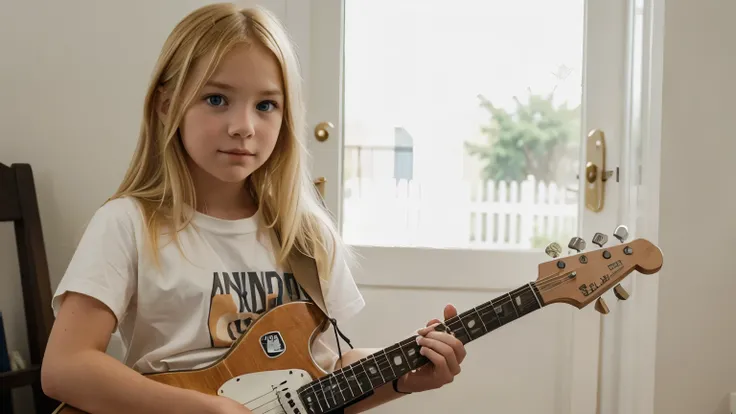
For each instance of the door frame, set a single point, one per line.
(628, 348)
(624, 374)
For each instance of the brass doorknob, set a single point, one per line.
(591, 172)
(321, 132)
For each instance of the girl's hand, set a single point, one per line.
(224, 405)
(445, 353)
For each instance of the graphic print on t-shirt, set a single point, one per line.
(239, 298)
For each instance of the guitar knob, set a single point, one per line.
(620, 292)
(600, 239)
(553, 250)
(577, 244)
(621, 233)
(600, 306)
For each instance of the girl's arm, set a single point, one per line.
(77, 370)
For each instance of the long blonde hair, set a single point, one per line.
(158, 176)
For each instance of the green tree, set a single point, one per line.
(534, 139)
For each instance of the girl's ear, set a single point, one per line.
(162, 104)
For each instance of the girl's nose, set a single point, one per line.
(242, 125)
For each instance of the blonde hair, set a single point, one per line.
(158, 176)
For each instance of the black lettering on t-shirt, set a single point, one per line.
(216, 285)
(255, 284)
(294, 289)
(279, 290)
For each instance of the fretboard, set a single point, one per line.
(355, 380)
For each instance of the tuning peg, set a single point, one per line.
(620, 292)
(553, 250)
(621, 233)
(600, 306)
(600, 239)
(577, 244)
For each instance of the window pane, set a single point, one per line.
(462, 122)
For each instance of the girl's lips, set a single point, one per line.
(238, 152)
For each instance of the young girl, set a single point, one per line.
(191, 249)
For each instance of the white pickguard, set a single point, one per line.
(272, 392)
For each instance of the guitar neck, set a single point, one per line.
(359, 378)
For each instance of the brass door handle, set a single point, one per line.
(321, 131)
(596, 174)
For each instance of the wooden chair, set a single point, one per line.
(18, 203)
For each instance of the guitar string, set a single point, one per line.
(266, 403)
(278, 406)
(258, 397)
(275, 408)
(548, 284)
(276, 400)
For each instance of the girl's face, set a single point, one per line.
(232, 126)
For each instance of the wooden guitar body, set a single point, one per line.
(247, 373)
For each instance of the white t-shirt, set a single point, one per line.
(186, 315)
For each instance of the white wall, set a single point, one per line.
(72, 79)
(696, 335)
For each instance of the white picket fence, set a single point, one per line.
(457, 214)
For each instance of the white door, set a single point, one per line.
(399, 86)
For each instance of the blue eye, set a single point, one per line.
(264, 106)
(215, 100)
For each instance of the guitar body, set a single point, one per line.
(274, 352)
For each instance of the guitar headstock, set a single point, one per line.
(580, 279)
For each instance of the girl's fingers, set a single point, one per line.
(430, 327)
(455, 343)
(446, 351)
(433, 322)
(439, 362)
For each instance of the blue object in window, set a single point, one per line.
(403, 154)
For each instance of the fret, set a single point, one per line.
(504, 308)
(513, 305)
(337, 396)
(458, 329)
(331, 390)
(399, 363)
(310, 401)
(411, 349)
(481, 319)
(462, 325)
(321, 400)
(526, 299)
(403, 353)
(386, 361)
(372, 370)
(535, 292)
(353, 384)
(488, 316)
(364, 382)
(473, 324)
(347, 385)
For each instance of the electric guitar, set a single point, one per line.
(269, 369)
